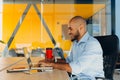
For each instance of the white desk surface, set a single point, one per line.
(53, 75)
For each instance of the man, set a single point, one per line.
(85, 59)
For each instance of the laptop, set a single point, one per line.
(30, 65)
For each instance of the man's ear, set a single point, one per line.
(80, 27)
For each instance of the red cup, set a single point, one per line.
(49, 53)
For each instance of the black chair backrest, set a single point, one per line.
(110, 46)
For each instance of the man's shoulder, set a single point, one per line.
(93, 45)
(92, 42)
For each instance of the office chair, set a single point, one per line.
(110, 46)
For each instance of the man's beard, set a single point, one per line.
(76, 36)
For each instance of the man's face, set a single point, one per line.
(73, 31)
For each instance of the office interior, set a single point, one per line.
(31, 23)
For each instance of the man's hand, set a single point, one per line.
(63, 66)
(45, 64)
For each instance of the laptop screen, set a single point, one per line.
(27, 55)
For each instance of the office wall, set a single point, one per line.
(0, 21)
(118, 19)
(31, 30)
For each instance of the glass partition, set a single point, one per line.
(39, 24)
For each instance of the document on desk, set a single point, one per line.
(42, 68)
(23, 69)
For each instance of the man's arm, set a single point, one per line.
(62, 65)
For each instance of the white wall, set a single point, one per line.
(118, 19)
(1, 19)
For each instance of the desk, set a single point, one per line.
(53, 75)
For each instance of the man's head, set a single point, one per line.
(77, 28)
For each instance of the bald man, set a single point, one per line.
(85, 59)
